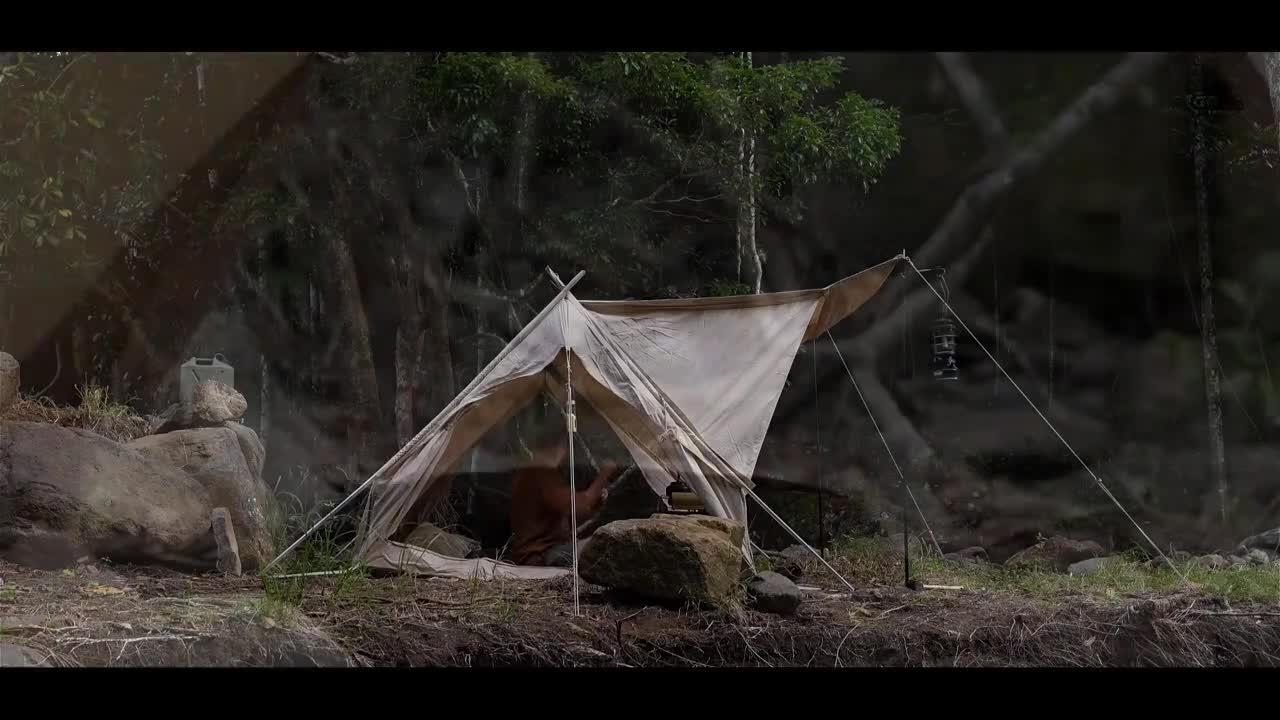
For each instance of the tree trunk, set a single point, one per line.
(264, 389)
(408, 354)
(364, 379)
(1208, 326)
(202, 74)
(746, 233)
(523, 153)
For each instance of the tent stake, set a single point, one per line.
(439, 418)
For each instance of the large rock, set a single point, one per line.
(1057, 553)
(251, 445)
(66, 493)
(666, 558)
(773, 593)
(213, 457)
(430, 537)
(10, 379)
(1012, 435)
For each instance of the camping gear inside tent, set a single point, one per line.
(689, 386)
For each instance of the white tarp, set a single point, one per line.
(689, 386)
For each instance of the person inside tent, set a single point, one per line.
(541, 519)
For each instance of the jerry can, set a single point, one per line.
(198, 370)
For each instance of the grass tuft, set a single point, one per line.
(97, 412)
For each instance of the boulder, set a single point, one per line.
(773, 593)
(1008, 436)
(792, 562)
(10, 379)
(213, 457)
(1269, 541)
(1056, 553)
(255, 455)
(66, 493)
(728, 528)
(21, 656)
(665, 558)
(1090, 566)
(430, 537)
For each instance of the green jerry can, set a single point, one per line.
(198, 370)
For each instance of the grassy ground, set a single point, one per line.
(1127, 575)
(1125, 615)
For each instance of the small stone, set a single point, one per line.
(214, 403)
(1269, 540)
(1212, 562)
(1089, 566)
(1258, 557)
(1237, 560)
(225, 535)
(1057, 553)
(774, 593)
(976, 553)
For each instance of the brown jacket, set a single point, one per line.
(540, 517)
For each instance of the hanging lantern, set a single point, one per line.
(943, 339)
(944, 349)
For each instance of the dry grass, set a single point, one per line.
(97, 412)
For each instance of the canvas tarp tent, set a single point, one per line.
(689, 386)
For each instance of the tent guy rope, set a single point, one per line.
(902, 477)
(1052, 427)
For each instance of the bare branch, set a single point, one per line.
(973, 93)
(475, 294)
(881, 335)
(976, 202)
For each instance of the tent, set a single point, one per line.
(689, 386)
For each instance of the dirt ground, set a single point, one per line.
(99, 615)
